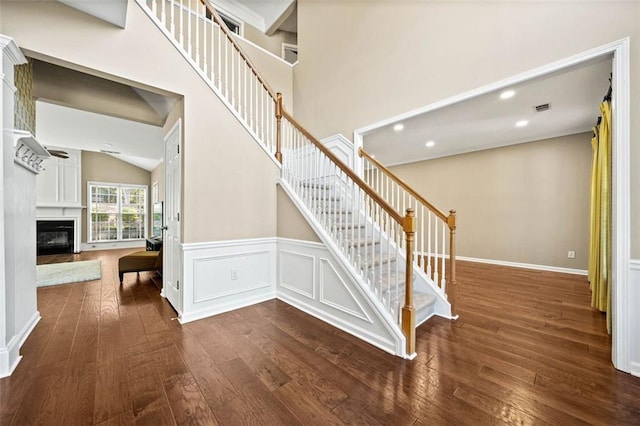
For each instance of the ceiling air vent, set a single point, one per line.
(542, 107)
(106, 151)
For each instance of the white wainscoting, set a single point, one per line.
(225, 275)
(634, 317)
(310, 279)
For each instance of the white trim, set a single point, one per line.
(10, 49)
(113, 245)
(524, 265)
(10, 356)
(186, 317)
(283, 50)
(186, 247)
(621, 244)
(239, 12)
(263, 50)
(634, 330)
(621, 175)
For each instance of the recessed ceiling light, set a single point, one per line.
(398, 127)
(507, 94)
(521, 123)
(373, 156)
(429, 144)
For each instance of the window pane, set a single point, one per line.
(106, 214)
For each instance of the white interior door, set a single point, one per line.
(172, 261)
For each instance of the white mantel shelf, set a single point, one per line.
(28, 151)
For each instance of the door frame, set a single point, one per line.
(621, 142)
(177, 127)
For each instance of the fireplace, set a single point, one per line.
(54, 236)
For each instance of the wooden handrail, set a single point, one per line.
(406, 187)
(235, 44)
(358, 181)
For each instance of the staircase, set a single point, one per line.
(393, 243)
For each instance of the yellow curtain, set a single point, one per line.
(600, 217)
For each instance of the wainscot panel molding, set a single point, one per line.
(634, 317)
(221, 276)
(312, 280)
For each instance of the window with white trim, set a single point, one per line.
(117, 212)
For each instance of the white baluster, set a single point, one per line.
(189, 19)
(444, 239)
(429, 245)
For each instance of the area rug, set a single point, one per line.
(69, 272)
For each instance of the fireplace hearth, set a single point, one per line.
(54, 236)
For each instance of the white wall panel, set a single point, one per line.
(214, 275)
(221, 276)
(298, 273)
(310, 279)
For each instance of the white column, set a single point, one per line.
(18, 314)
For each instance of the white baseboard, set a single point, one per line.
(524, 265)
(10, 355)
(113, 245)
(226, 307)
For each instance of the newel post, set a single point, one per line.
(279, 127)
(452, 285)
(408, 310)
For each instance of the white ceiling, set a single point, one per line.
(112, 11)
(139, 144)
(266, 15)
(487, 121)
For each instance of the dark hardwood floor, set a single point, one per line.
(527, 349)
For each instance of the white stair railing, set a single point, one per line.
(435, 231)
(375, 240)
(366, 227)
(196, 29)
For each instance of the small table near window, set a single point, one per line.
(154, 243)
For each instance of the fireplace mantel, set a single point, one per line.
(56, 213)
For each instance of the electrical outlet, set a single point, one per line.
(571, 254)
(234, 274)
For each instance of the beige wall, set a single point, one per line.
(229, 186)
(82, 91)
(272, 43)
(157, 175)
(405, 54)
(99, 167)
(291, 223)
(526, 203)
(277, 73)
